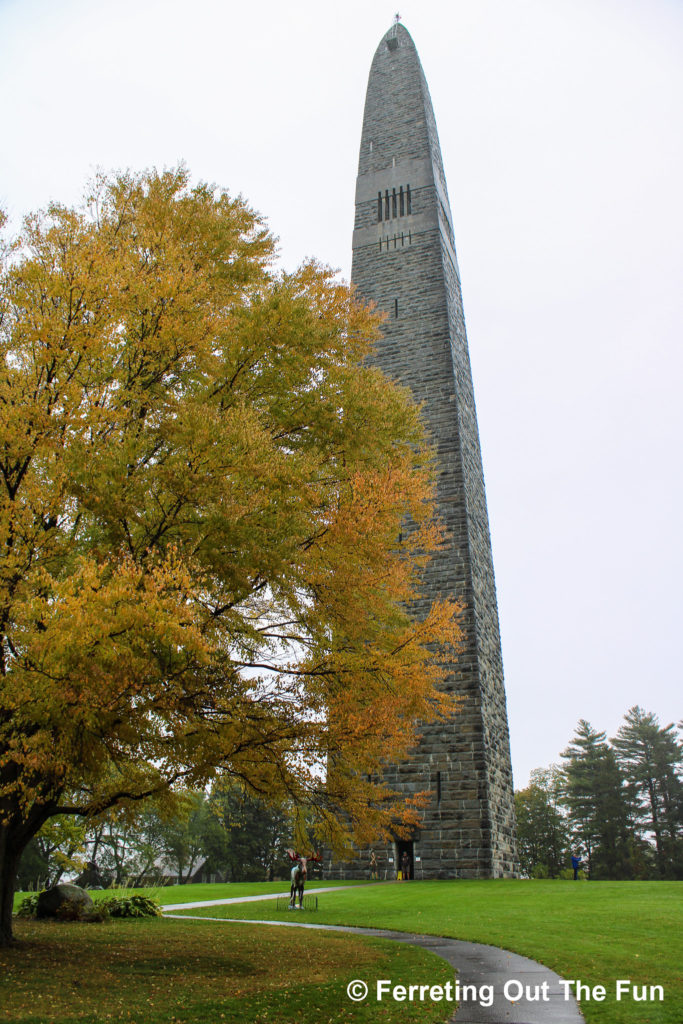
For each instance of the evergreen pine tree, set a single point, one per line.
(597, 803)
(651, 757)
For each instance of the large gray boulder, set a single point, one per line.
(50, 901)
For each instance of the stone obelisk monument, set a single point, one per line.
(404, 260)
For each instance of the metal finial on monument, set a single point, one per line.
(392, 41)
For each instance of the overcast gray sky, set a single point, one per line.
(560, 126)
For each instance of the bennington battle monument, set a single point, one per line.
(404, 260)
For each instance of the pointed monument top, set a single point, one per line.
(399, 120)
(397, 35)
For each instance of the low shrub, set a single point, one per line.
(70, 910)
(131, 906)
(29, 905)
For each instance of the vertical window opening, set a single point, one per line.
(409, 204)
(379, 206)
(401, 202)
(386, 205)
(394, 211)
(396, 309)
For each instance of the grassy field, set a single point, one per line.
(155, 971)
(595, 932)
(195, 893)
(190, 972)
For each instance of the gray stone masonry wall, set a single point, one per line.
(404, 259)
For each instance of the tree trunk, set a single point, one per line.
(9, 864)
(14, 838)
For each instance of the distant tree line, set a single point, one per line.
(223, 835)
(617, 804)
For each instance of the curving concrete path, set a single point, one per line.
(249, 899)
(519, 990)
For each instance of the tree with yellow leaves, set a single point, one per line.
(203, 481)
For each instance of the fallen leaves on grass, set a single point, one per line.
(149, 971)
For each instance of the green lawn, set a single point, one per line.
(195, 893)
(155, 971)
(596, 932)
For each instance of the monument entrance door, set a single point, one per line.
(405, 846)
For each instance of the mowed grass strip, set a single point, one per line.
(156, 971)
(596, 932)
(200, 891)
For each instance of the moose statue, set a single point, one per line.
(299, 872)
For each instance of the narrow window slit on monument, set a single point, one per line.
(396, 309)
(394, 210)
(379, 206)
(386, 205)
(409, 204)
(401, 202)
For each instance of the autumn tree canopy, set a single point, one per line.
(203, 481)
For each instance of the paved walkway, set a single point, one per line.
(249, 899)
(519, 990)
